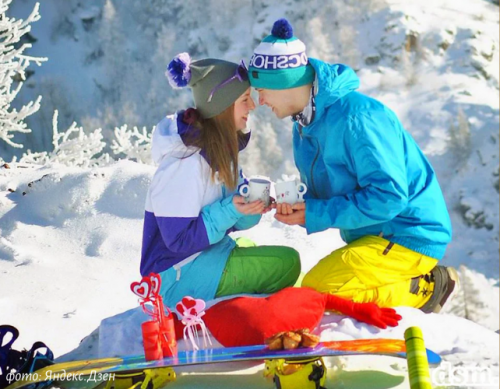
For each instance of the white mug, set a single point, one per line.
(289, 192)
(256, 189)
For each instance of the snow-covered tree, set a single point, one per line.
(13, 63)
(82, 150)
(460, 136)
(473, 300)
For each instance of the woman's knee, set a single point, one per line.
(291, 258)
(291, 264)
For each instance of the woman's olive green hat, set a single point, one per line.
(203, 77)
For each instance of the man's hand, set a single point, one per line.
(291, 214)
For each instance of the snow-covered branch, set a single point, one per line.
(72, 148)
(76, 148)
(14, 63)
(133, 144)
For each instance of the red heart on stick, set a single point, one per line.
(155, 283)
(142, 288)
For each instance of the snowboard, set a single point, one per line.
(90, 373)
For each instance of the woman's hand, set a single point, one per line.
(253, 208)
(272, 205)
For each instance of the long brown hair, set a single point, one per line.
(220, 141)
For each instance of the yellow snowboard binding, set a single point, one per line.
(309, 373)
(146, 379)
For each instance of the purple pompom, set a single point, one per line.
(178, 71)
(282, 29)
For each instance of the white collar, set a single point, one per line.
(306, 117)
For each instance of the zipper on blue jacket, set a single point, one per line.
(312, 168)
(314, 160)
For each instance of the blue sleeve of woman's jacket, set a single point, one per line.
(248, 221)
(376, 154)
(219, 217)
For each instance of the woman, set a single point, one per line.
(191, 204)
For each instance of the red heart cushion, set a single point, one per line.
(243, 321)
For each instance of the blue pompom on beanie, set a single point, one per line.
(179, 71)
(282, 29)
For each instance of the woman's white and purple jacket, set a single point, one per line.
(188, 216)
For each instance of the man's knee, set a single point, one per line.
(330, 274)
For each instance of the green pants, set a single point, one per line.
(264, 269)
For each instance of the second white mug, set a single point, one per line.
(289, 192)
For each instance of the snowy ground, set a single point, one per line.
(73, 237)
(70, 237)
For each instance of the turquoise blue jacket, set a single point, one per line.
(365, 174)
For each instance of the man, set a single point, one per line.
(365, 176)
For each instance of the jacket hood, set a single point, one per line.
(166, 140)
(169, 137)
(334, 82)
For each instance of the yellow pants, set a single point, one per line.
(372, 269)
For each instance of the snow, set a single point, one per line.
(70, 237)
(73, 236)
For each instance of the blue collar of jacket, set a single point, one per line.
(187, 131)
(333, 81)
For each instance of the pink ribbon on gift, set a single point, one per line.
(191, 311)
